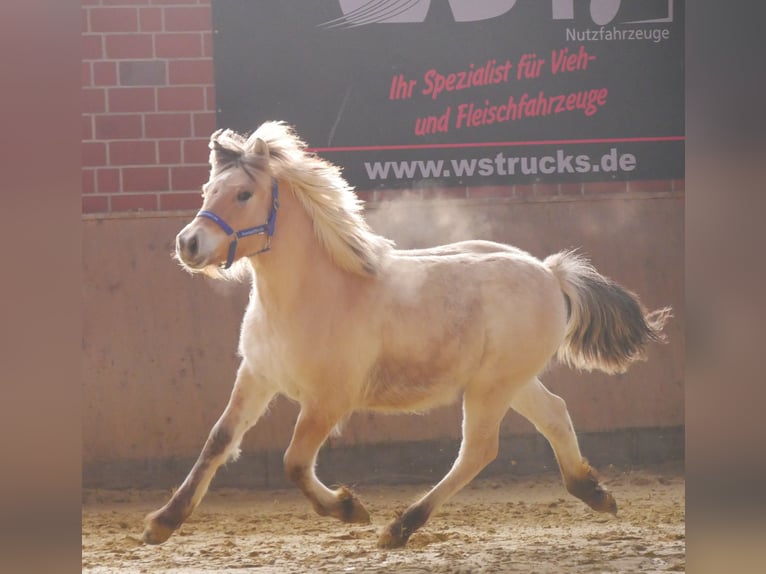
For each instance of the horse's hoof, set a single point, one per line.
(352, 511)
(156, 532)
(393, 536)
(590, 491)
(607, 503)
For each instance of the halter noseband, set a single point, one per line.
(267, 228)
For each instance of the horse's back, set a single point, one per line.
(451, 313)
(462, 247)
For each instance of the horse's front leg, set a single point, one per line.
(311, 429)
(247, 403)
(483, 409)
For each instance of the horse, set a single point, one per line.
(339, 320)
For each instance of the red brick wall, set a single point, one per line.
(149, 109)
(148, 103)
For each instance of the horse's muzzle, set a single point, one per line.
(188, 248)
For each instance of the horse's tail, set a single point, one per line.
(608, 327)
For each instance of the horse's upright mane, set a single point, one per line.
(329, 200)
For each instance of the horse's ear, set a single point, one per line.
(220, 155)
(261, 148)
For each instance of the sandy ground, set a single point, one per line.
(513, 524)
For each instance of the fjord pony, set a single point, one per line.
(339, 320)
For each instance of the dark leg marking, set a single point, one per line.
(351, 510)
(589, 490)
(399, 531)
(219, 439)
(346, 505)
(163, 522)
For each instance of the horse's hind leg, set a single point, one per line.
(482, 412)
(247, 403)
(549, 414)
(311, 429)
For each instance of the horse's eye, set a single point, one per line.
(244, 195)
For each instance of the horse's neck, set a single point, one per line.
(297, 268)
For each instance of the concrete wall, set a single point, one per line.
(159, 345)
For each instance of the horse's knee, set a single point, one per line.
(295, 471)
(221, 445)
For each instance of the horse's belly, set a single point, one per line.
(411, 386)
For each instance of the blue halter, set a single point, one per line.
(267, 228)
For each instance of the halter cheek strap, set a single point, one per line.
(267, 228)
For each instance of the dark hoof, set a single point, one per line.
(601, 500)
(399, 531)
(156, 534)
(589, 490)
(351, 510)
(394, 535)
(156, 531)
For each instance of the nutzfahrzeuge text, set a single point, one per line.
(612, 34)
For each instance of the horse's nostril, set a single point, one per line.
(188, 245)
(192, 245)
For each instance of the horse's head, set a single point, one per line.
(239, 205)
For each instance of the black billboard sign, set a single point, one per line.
(461, 92)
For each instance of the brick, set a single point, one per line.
(570, 188)
(92, 47)
(650, 185)
(207, 44)
(195, 150)
(87, 127)
(113, 19)
(125, 2)
(443, 193)
(366, 195)
(88, 181)
(195, 72)
(135, 202)
(119, 126)
(143, 73)
(173, 201)
(145, 179)
(490, 191)
(131, 100)
(95, 204)
(173, 2)
(178, 45)
(108, 180)
(187, 18)
(105, 73)
(605, 186)
(86, 74)
(383, 195)
(210, 98)
(204, 124)
(150, 19)
(168, 125)
(140, 152)
(524, 190)
(127, 46)
(188, 177)
(93, 154)
(177, 99)
(546, 189)
(169, 151)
